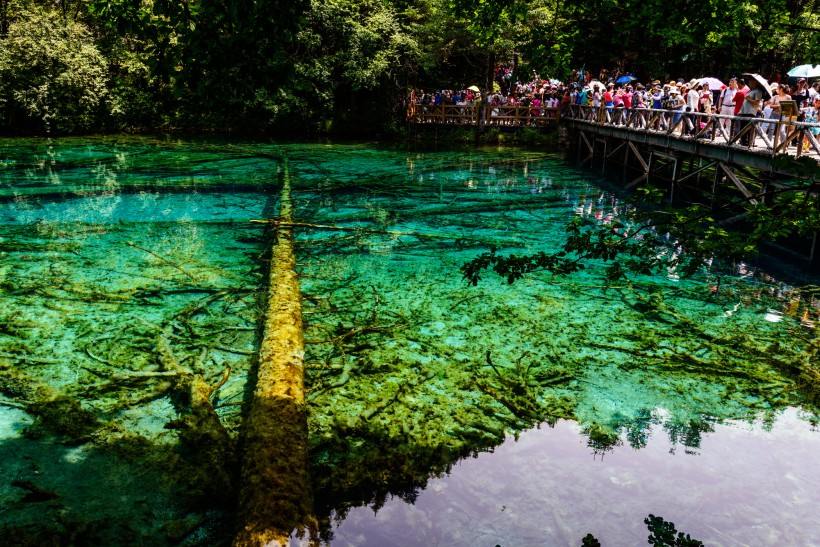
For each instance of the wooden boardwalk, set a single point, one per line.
(757, 140)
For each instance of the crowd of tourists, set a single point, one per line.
(618, 94)
(749, 97)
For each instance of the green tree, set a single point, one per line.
(351, 55)
(51, 73)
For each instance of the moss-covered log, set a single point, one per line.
(275, 494)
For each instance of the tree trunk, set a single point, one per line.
(275, 497)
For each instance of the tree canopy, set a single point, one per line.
(327, 65)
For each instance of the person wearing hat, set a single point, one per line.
(657, 97)
(704, 106)
(676, 104)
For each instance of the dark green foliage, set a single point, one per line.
(320, 65)
(664, 534)
(661, 533)
(52, 76)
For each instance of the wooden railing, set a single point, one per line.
(502, 116)
(773, 136)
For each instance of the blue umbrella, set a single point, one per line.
(804, 71)
(626, 79)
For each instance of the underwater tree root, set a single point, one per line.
(162, 259)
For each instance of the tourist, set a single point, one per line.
(814, 91)
(566, 99)
(618, 102)
(704, 106)
(740, 95)
(780, 93)
(676, 104)
(628, 97)
(657, 97)
(801, 97)
(692, 103)
(608, 96)
(706, 97)
(596, 103)
(535, 106)
(812, 116)
(726, 105)
(752, 101)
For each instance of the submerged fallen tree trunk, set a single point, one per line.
(275, 496)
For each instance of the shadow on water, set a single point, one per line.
(118, 491)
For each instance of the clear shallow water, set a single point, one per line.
(127, 268)
(112, 250)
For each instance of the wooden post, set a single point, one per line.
(275, 495)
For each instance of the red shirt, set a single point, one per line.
(740, 96)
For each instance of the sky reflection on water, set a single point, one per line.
(745, 485)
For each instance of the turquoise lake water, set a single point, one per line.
(439, 414)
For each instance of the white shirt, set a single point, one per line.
(692, 98)
(728, 97)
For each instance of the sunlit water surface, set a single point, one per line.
(664, 397)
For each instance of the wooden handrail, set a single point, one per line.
(516, 116)
(702, 126)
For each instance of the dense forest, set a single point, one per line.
(344, 66)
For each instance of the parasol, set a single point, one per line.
(764, 84)
(626, 79)
(714, 83)
(805, 71)
(474, 88)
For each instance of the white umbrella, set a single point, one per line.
(714, 83)
(593, 83)
(763, 82)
